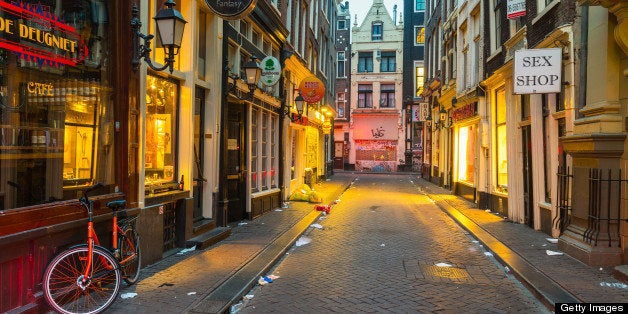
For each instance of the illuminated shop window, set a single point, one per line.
(161, 126)
(466, 153)
(502, 141)
(56, 113)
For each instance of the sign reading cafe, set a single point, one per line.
(37, 35)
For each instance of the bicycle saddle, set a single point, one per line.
(117, 204)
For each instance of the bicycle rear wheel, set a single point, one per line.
(65, 289)
(130, 257)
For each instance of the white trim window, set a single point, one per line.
(377, 31)
(341, 68)
(264, 150)
(419, 36)
(419, 5)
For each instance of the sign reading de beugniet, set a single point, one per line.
(55, 44)
(231, 9)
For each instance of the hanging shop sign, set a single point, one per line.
(271, 70)
(537, 71)
(420, 112)
(515, 9)
(35, 34)
(312, 89)
(231, 9)
(464, 112)
(326, 127)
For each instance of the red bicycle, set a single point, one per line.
(86, 278)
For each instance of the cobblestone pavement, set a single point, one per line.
(179, 281)
(387, 248)
(587, 283)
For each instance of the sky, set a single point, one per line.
(361, 8)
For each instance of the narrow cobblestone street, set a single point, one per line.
(387, 247)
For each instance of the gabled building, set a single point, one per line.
(377, 127)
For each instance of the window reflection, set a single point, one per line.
(161, 111)
(56, 116)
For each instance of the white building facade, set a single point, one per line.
(376, 127)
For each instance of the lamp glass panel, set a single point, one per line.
(178, 32)
(165, 31)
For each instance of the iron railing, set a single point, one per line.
(605, 188)
(563, 217)
(604, 206)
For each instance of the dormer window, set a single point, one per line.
(377, 30)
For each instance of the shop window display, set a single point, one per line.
(161, 117)
(466, 153)
(56, 113)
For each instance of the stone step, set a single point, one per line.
(209, 238)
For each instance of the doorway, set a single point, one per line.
(339, 148)
(236, 166)
(528, 203)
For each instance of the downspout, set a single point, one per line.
(584, 50)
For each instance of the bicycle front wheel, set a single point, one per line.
(130, 261)
(67, 291)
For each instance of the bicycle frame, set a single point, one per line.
(92, 239)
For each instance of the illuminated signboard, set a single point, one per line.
(231, 9)
(35, 34)
(312, 89)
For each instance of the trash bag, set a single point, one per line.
(301, 194)
(314, 197)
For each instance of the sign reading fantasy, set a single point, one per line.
(231, 9)
(35, 34)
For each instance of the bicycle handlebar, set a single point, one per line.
(92, 188)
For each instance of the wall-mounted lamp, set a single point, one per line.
(443, 122)
(252, 73)
(299, 102)
(170, 25)
(428, 121)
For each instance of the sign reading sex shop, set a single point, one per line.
(37, 35)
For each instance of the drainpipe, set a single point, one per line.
(584, 49)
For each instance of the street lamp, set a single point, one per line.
(252, 73)
(442, 122)
(299, 102)
(170, 25)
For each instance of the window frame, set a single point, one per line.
(419, 6)
(385, 61)
(421, 29)
(377, 25)
(365, 66)
(367, 101)
(386, 95)
(341, 64)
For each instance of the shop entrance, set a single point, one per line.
(236, 167)
(528, 203)
(338, 155)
